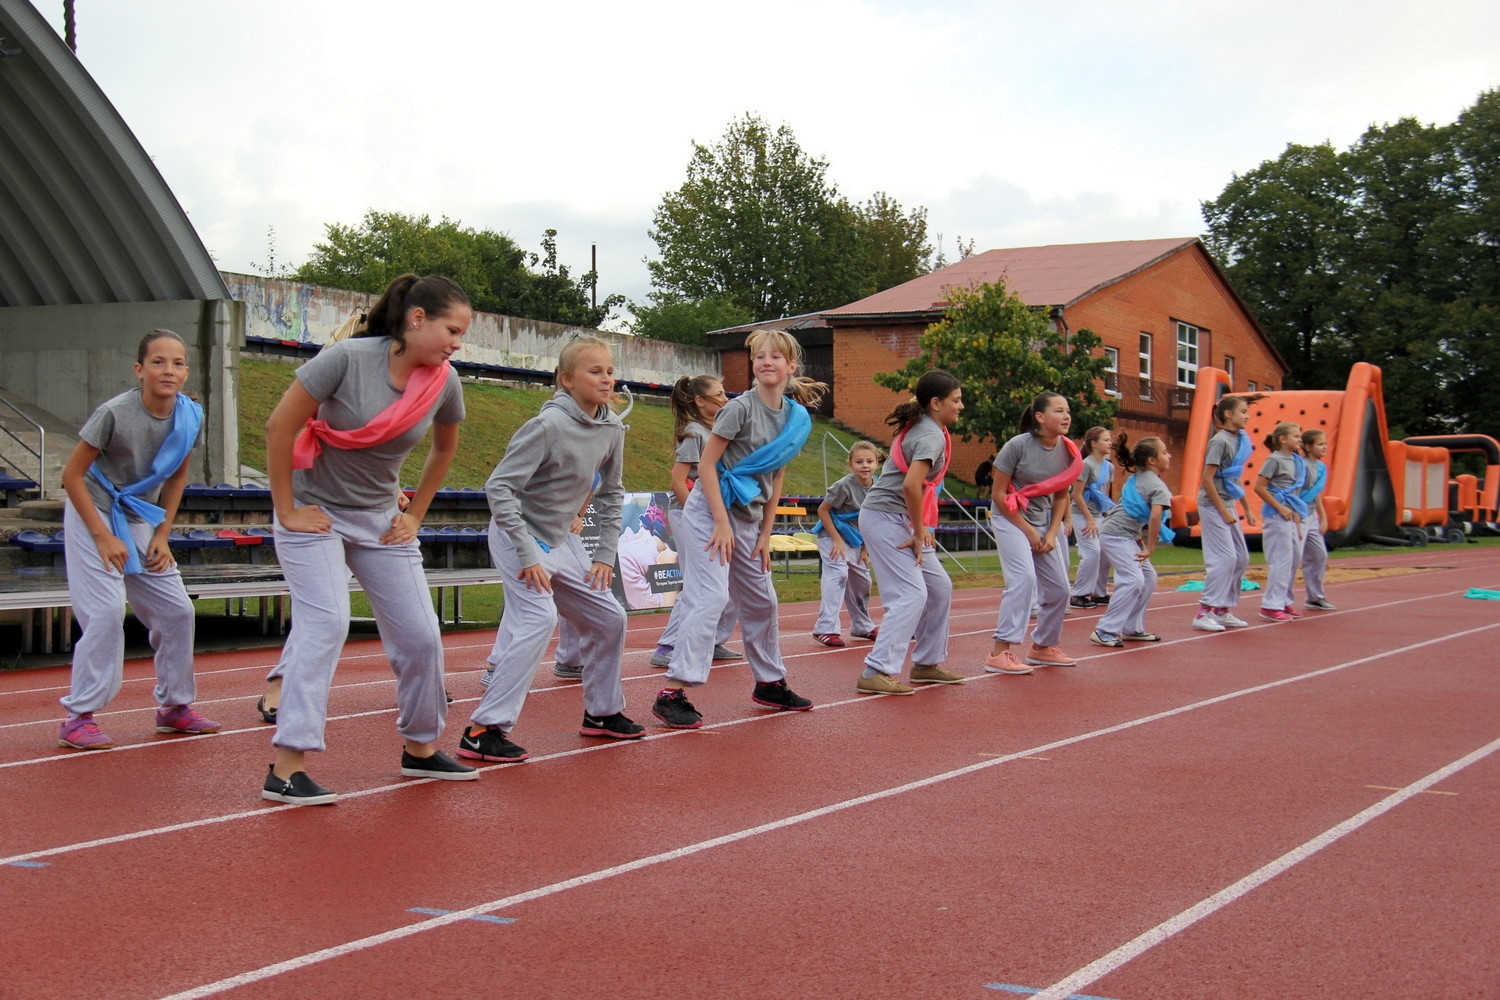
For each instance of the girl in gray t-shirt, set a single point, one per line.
(1128, 536)
(896, 520)
(132, 455)
(845, 575)
(1028, 520)
(1278, 485)
(367, 402)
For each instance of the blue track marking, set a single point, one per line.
(1011, 988)
(483, 917)
(27, 864)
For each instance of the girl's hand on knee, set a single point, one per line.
(159, 555)
(113, 552)
(601, 575)
(721, 543)
(536, 579)
(763, 553)
(308, 520)
(837, 552)
(403, 529)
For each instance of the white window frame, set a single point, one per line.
(1187, 355)
(1144, 361)
(1229, 369)
(1250, 387)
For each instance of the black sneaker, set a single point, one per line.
(778, 695)
(1101, 602)
(1081, 602)
(567, 671)
(489, 745)
(439, 765)
(298, 790)
(674, 710)
(614, 727)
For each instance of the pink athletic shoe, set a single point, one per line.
(1275, 616)
(1049, 656)
(182, 719)
(1291, 611)
(81, 732)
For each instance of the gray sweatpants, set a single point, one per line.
(1314, 557)
(709, 587)
(317, 568)
(1092, 578)
(844, 582)
(1225, 557)
(674, 620)
(99, 595)
(526, 627)
(1135, 582)
(917, 597)
(1281, 541)
(1030, 577)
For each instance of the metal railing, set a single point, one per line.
(40, 454)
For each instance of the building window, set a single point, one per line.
(1250, 386)
(1112, 371)
(1187, 355)
(1270, 388)
(1229, 370)
(1145, 366)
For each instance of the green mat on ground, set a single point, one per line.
(1198, 585)
(1478, 594)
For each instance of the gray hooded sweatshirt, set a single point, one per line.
(548, 470)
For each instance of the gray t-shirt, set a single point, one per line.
(351, 382)
(1280, 470)
(1096, 470)
(846, 496)
(1151, 488)
(689, 450)
(747, 424)
(1219, 453)
(1026, 460)
(128, 437)
(924, 441)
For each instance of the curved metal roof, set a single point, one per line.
(85, 217)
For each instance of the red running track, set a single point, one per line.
(1306, 810)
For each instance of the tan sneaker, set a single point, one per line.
(934, 674)
(1005, 663)
(1049, 656)
(882, 684)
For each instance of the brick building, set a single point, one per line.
(1162, 307)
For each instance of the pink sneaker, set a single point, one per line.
(1049, 656)
(1273, 615)
(1005, 663)
(829, 639)
(182, 719)
(81, 732)
(1291, 611)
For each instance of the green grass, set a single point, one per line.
(494, 413)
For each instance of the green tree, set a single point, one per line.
(1006, 353)
(1388, 252)
(757, 223)
(685, 321)
(489, 266)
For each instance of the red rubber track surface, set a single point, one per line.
(1010, 831)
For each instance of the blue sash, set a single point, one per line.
(187, 419)
(737, 485)
(1291, 495)
(1139, 510)
(1311, 491)
(1093, 493)
(1229, 475)
(847, 525)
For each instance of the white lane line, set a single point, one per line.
(173, 741)
(588, 878)
(1167, 929)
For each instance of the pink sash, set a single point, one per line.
(1020, 499)
(930, 485)
(423, 388)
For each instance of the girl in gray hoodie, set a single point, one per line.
(534, 494)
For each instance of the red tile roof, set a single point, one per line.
(1057, 275)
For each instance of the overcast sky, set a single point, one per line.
(1015, 124)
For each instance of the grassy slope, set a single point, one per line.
(494, 413)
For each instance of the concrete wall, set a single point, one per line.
(66, 360)
(289, 310)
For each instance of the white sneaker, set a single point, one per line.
(1205, 621)
(487, 676)
(1228, 620)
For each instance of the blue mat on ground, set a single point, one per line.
(1479, 594)
(1198, 585)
